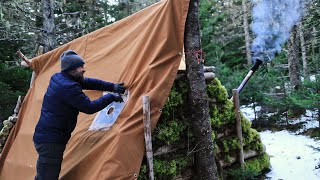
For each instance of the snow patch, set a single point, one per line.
(292, 157)
(248, 111)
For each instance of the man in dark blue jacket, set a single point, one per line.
(62, 103)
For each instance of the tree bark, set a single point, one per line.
(303, 51)
(319, 118)
(313, 48)
(246, 31)
(48, 25)
(205, 164)
(236, 103)
(293, 61)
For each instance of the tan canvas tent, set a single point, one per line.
(144, 51)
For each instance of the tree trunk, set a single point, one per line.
(38, 23)
(246, 31)
(205, 164)
(48, 25)
(91, 13)
(319, 118)
(293, 58)
(313, 47)
(303, 51)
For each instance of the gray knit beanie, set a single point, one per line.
(70, 60)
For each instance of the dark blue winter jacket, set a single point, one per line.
(61, 105)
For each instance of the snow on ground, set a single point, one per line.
(292, 156)
(310, 119)
(248, 111)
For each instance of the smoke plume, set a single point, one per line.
(272, 23)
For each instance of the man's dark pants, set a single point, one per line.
(49, 161)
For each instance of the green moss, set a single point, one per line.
(173, 130)
(143, 172)
(229, 144)
(165, 168)
(217, 91)
(245, 123)
(227, 158)
(215, 148)
(162, 169)
(170, 131)
(251, 135)
(213, 136)
(174, 100)
(222, 115)
(253, 168)
(259, 163)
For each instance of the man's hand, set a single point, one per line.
(119, 88)
(117, 98)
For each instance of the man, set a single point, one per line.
(61, 105)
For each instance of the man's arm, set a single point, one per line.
(97, 84)
(77, 99)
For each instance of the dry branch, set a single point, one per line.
(25, 59)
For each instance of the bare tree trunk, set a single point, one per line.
(319, 118)
(246, 31)
(38, 23)
(313, 46)
(205, 164)
(91, 13)
(293, 58)
(303, 51)
(48, 25)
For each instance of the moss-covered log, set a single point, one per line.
(172, 137)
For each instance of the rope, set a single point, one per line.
(200, 55)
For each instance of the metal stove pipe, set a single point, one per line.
(248, 76)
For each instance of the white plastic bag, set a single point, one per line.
(108, 116)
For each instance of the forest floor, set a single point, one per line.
(293, 155)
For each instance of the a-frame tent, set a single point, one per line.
(144, 51)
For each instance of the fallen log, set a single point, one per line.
(164, 150)
(209, 69)
(207, 76)
(246, 155)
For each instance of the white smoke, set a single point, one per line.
(272, 23)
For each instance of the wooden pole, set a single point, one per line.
(147, 134)
(24, 58)
(16, 110)
(236, 103)
(34, 75)
(27, 62)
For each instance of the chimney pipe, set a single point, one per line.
(250, 73)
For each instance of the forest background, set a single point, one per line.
(286, 87)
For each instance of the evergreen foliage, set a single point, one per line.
(223, 43)
(253, 169)
(308, 96)
(172, 132)
(14, 80)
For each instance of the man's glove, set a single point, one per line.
(117, 98)
(119, 88)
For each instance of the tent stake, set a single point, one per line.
(147, 134)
